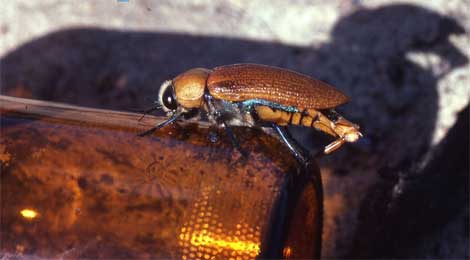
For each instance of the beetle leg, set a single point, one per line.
(334, 145)
(170, 120)
(334, 124)
(233, 139)
(148, 110)
(322, 123)
(228, 129)
(211, 109)
(290, 143)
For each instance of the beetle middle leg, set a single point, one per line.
(233, 139)
(219, 118)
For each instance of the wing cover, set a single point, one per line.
(240, 82)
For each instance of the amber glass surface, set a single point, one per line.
(79, 183)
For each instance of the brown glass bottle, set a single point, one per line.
(79, 183)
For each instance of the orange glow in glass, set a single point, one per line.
(200, 239)
(28, 213)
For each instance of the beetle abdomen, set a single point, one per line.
(306, 117)
(242, 82)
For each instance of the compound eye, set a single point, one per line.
(168, 98)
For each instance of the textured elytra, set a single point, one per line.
(240, 82)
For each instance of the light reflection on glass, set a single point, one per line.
(211, 244)
(287, 252)
(28, 213)
(232, 243)
(204, 236)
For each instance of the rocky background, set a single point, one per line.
(402, 192)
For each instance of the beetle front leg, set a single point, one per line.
(170, 120)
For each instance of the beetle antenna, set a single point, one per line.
(148, 110)
(170, 120)
(149, 99)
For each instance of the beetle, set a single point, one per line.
(257, 95)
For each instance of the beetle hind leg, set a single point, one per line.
(298, 152)
(332, 123)
(333, 146)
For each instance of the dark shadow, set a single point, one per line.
(120, 69)
(394, 99)
(409, 218)
(427, 186)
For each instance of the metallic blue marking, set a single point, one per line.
(248, 105)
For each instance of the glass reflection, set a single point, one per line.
(28, 214)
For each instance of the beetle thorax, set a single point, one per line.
(189, 87)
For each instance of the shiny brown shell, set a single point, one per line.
(240, 82)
